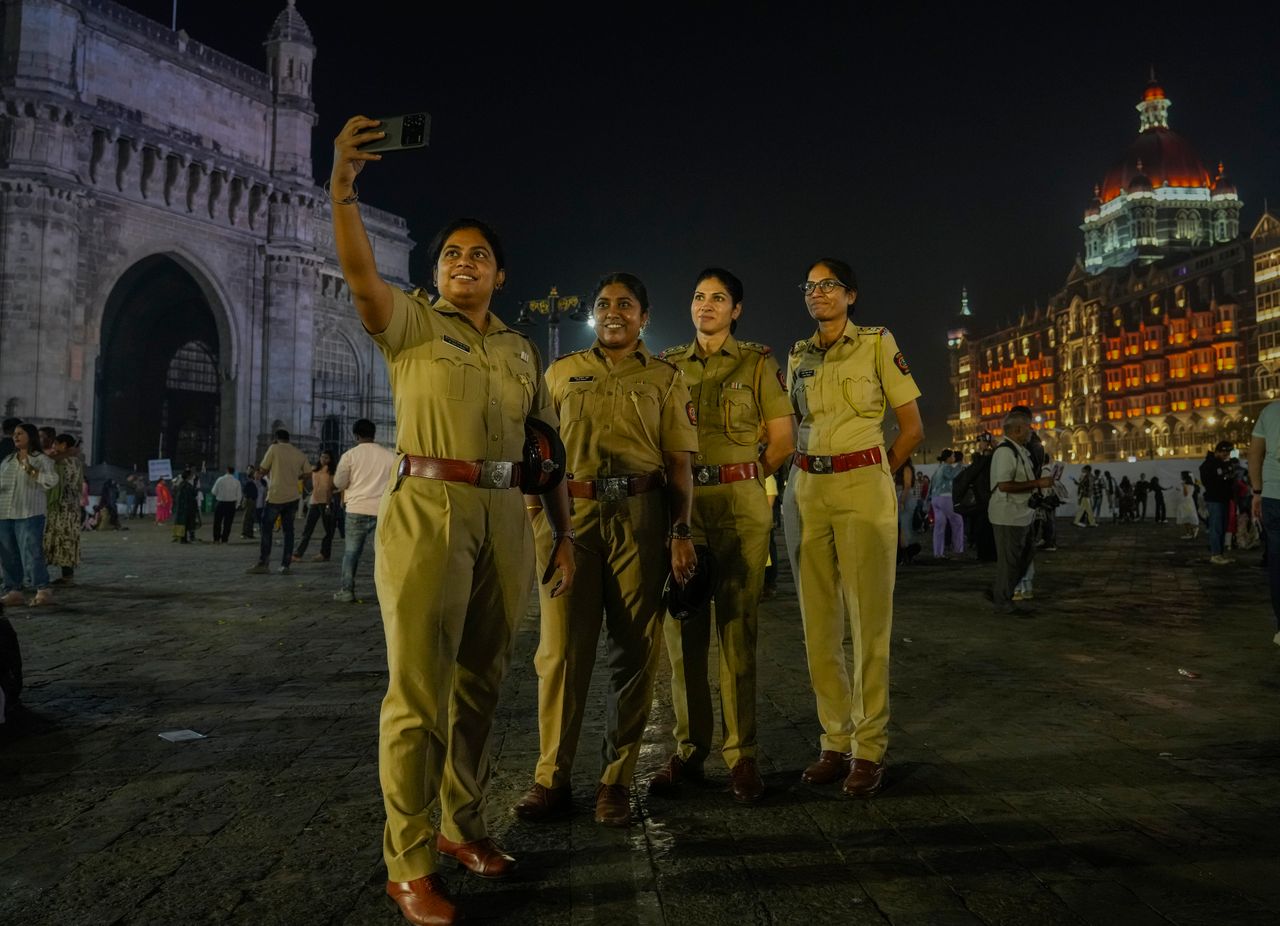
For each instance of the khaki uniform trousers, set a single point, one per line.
(734, 521)
(622, 563)
(453, 570)
(842, 531)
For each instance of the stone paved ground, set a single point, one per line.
(1050, 770)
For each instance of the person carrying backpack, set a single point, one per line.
(1013, 478)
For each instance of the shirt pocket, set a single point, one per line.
(864, 396)
(517, 390)
(577, 404)
(741, 422)
(805, 394)
(644, 402)
(457, 375)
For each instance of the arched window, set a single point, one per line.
(193, 369)
(1188, 224)
(335, 385)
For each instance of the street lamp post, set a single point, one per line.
(554, 306)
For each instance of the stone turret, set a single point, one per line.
(291, 54)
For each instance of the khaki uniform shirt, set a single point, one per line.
(285, 465)
(734, 392)
(840, 393)
(617, 419)
(460, 394)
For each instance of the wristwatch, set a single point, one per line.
(680, 531)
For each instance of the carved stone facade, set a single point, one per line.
(167, 279)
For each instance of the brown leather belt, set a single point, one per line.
(614, 488)
(487, 474)
(840, 463)
(723, 474)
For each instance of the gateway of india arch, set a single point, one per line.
(167, 281)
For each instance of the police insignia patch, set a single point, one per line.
(692, 413)
(900, 362)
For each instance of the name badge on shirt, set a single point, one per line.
(582, 379)
(454, 342)
(524, 356)
(802, 374)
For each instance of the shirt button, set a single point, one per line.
(493, 401)
(494, 437)
(608, 427)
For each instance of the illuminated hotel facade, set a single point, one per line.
(1164, 339)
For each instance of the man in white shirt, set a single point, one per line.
(226, 496)
(1264, 477)
(362, 476)
(1013, 478)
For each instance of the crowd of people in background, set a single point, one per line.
(45, 505)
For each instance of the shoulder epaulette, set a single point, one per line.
(662, 359)
(872, 329)
(757, 347)
(800, 345)
(679, 348)
(573, 353)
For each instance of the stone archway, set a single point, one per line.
(160, 388)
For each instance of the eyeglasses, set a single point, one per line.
(825, 286)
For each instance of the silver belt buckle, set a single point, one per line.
(707, 475)
(612, 489)
(820, 464)
(496, 474)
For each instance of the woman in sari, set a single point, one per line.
(62, 529)
(164, 501)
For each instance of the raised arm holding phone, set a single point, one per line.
(455, 553)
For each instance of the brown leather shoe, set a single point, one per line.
(865, 778)
(745, 782)
(483, 857)
(423, 901)
(613, 805)
(665, 782)
(542, 805)
(830, 766)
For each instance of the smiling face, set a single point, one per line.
(618, 317)
(832, 306)
(467, 273)
(713, 308)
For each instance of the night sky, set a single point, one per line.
(932, 150)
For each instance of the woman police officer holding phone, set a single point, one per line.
(453, 565)
(840, 513)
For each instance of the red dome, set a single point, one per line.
(1167, 160)
(1153, 92)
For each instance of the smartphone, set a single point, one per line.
(412, 130)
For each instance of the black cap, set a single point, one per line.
(683, 601)
(544, 458)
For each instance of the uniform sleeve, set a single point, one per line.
(542, 407)
(895, 375)
(775, 402)
(677, 430)
(268, 458)
(409, 325)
